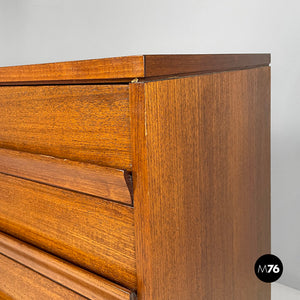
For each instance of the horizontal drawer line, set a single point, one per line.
(104, 182)
(68, 275)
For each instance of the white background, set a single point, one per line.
(38, 31)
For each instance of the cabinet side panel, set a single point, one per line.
(202, 185)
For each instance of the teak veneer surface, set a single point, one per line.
(74, 278)
(166, 65)
(127, 68)
(20, 283)
(194, 130)
(75, 71)
(91, 179)
(201, 174)
(88, 123)
(93, 233)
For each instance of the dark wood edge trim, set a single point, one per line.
(72, 277)
(124, 69)
(168, 65)
(104, 182)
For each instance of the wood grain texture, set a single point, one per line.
(91, 179)
(163, 65)
(20, 283)
(75, 71)
(93, 233)
(76, 279)
(124, 69)
(4, 296)
(88, 123)
(201, 174)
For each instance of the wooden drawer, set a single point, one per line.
(29, 273)
(138, 170)
(87, 123)
(91, 232)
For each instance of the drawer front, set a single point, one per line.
(88, 123)
(20, 283)
(93, 233)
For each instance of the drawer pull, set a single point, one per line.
(86, 178)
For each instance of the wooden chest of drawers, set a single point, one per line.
(142, 176)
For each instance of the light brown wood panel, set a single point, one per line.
(20, 283)
(88, 123)
(93, 233)
(76, 279)
(201, 173)
(124, 69)
(91, 179)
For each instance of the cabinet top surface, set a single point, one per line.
(127, 68)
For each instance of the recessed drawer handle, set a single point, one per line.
(104, 182)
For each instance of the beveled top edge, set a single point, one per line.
(126, 68)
